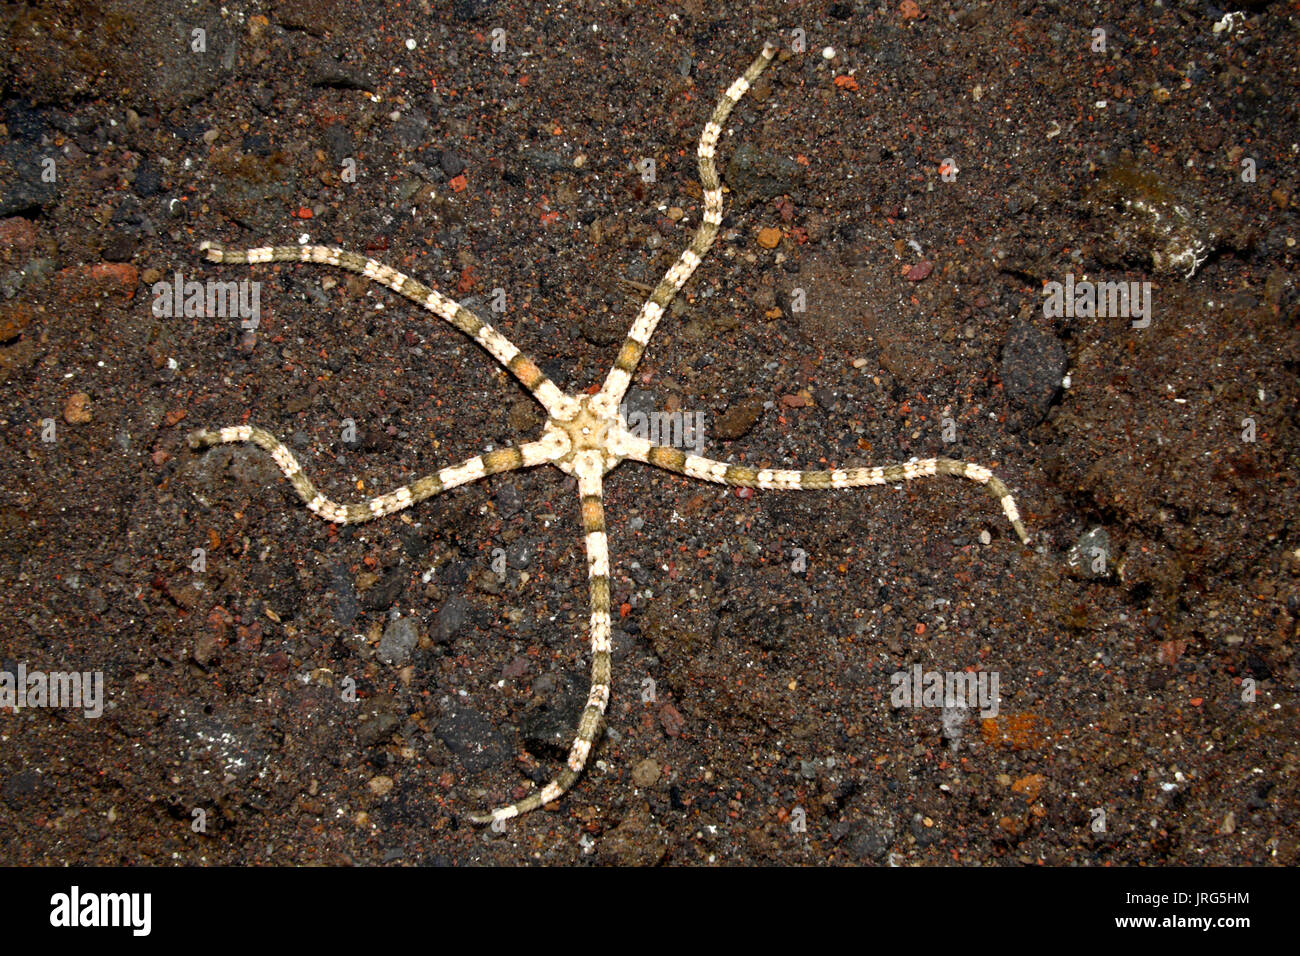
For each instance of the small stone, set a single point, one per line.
(1033, 367)
(646, 773)
(1029, 786)
(473, 739)
(14, 317)
(450, 618)
(769, 237)
(76, 410)
(376, 728)
(17, 234)
(113, 281)
(920, 271)
(637, 841)
(870, 843)
(737, 420)
(400, 638)
(673, 721)
(119, 248)
(452, 163)
(380, 785)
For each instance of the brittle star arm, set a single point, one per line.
(643, 327)
(588, 468)
(496, 344)
(780, 479)
(503, 459)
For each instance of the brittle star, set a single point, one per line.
(584, 434)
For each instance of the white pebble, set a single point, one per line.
(986, 538)
(828, 53)
(410, 44)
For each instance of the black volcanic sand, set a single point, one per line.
(351, 695)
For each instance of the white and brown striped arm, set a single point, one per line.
(503, 459)
(496, 344)
(779, 479)
(647, 319)
(588, 468)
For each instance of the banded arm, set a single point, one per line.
(503, 459)
(647, 319)
(588, 468)
(496, 344)
(743, 476)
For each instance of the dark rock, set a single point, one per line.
(756, 176)
(345, 594)
(547, 727)
(1033, 366)
(509, 500)
(472, 739)
(450, 617)
(400, 638)
(870, 843)
(637, 841)
(737, 421)
(452, 163)
(148, 178)
(339, 143)
(327, 71)
(376, 728)
(520, 554)
(22, 789)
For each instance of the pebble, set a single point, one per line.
(450, 618)
(520, 554)
(76, 410)
(17, 234)
(400, 638)
(113, 281)
(380, 785)
(673, 721)
(509, 499)
(769, 237)
(376, 729)
(737, 421)
(473, 739)
(1033, 367)
(646, 773)
(14, 317)
(920, 271)
(869, 844)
